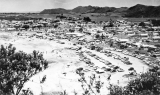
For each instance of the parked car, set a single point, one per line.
(113, 70)
(93, 55)
(107, 63)
(120, 70)
(99, 71)
(127, 62)
(130, 69)
(119, 50)
(107, 69)
(116, 57)
(142, 57)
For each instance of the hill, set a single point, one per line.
(93, 9)
(143, 11)
(84, 9)
(54, 11)
(134, 11)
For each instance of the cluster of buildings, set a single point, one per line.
(18, 25)
(127, 36)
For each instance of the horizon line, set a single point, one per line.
(103, 6)
(76, 7)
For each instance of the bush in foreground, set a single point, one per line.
(147, 84)
(16, 68)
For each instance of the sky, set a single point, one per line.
(39, 5)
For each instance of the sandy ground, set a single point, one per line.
(57, 55)
(63, 60)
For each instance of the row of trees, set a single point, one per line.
(16, 68)
(155, 22)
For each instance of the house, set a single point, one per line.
(148, 48)
(144, 36)
(156, 39)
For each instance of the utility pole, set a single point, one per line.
(41, 86)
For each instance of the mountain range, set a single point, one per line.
(138, 10)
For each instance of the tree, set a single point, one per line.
(81, 29)
(16, 68)
(102, 36)
(39, 26)
(110, 24)
(87, 19)
(147, 84)
(93, 47)
(61, 16)
(71, 30)
(97, 36)
(155, 22)
(142, 24)
(116, 90)
(25, 26)
(17, 26)
(56, 25)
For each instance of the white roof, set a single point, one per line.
(77, 34)
(156, 37)
(152, 46)
(138, 44)
(124, 40)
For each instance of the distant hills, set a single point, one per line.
(55, 11)
(143, 11)
(134, 11)
(84, 9)
(93, 9)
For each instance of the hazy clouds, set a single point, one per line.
(39, 5)
(24, 5)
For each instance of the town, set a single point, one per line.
(83, 52)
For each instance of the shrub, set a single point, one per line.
(16, 68)
(87, 19)
(142, 24)
(147, 84)
(116, 90)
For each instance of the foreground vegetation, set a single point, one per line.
(147, 84)
(16, 68)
